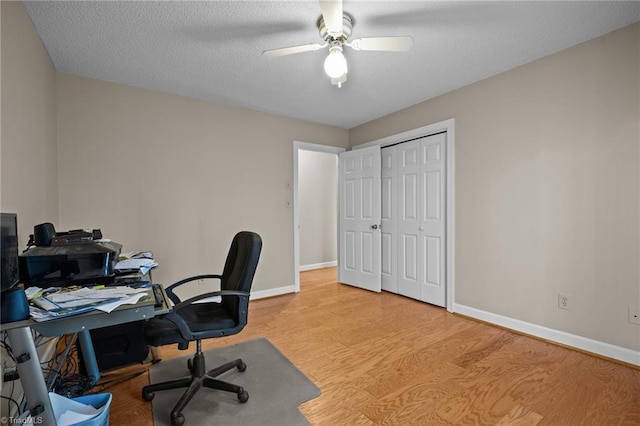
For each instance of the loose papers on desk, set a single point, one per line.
(142, 265)
(136, 255)
(56, 303)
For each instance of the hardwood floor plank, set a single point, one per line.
(416, 398)
(383, 359)
(520, 416)
(484, 349)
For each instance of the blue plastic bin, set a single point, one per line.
(97, 400)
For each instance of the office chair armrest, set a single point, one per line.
(174, 314)
(174, 297)
(210, 294)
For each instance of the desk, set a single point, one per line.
(28, 365)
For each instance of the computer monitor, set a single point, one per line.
(9, 248)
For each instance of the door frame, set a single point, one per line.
(297, 147)
(442, 126)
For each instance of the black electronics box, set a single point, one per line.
(73, 264)
(117, 346)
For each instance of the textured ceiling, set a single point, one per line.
(213, 50)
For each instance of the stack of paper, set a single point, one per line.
(56, 303)
(142, 265)
(136, 255)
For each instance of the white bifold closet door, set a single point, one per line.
(359, 247)
(389, 219)
(413, 219)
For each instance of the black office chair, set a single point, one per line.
(189, 321)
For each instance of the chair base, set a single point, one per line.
(198, 378)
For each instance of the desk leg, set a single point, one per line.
(89, 356)
(31, 377)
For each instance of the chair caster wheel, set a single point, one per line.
(177, 420)
(243, 396)
(242, 367)
(148, 396)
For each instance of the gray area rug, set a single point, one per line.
(276, 389)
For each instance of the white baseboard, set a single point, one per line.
(318, 266)
(583, 343)
(263, 294)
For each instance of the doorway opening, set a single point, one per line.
(316, 210)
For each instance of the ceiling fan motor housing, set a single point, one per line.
(336, 35)
(347, 26)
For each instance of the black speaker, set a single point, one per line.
(43, 233)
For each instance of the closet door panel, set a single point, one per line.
(409, 200)
(359, 244)
(432, 219)
(389, 220)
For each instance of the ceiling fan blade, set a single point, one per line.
(274, 53)
(332, 14)
(383, 44)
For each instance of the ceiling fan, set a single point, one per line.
(335, 28)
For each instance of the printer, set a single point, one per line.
(71, 261)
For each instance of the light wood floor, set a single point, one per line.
(389, 360)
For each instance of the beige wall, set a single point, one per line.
(178, 176)
(29, 177)
(28, 162)
(547, 183)
(318, 200)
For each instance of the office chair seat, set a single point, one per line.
(191, 320)
(206, 318)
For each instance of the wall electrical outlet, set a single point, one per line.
(564, 301)
(634, 316)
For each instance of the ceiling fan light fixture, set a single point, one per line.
(335, 27)
(335, 65)
(338, 81)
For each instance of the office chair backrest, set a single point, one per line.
(240, 266)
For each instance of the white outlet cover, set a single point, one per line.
(564, 301)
